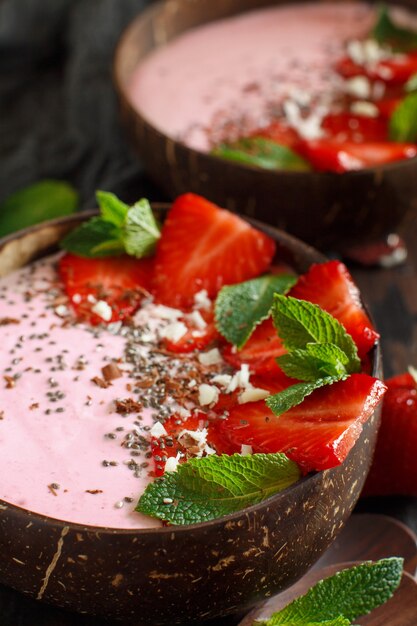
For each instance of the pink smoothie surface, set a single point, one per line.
(60, 434)
(241, 68)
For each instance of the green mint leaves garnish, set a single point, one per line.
(44, 200)
(386, 31)
(347, 595)
(403, 122)
(320, 351)
(263, 153)
(119, 229)
(207, 488)
(240, 308)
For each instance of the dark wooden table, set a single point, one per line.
(392, 297)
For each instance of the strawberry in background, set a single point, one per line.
(394, 468)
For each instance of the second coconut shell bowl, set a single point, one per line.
(331, 211)
(178, 575)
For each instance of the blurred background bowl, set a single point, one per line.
(329, 210)
(179, 575)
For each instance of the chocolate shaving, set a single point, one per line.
(10, 382)
(94, 491)
(1, 415)
(52, 490)
(33, 406)
(128, 405)
(111, 372)
(100, 382)
(5, 321)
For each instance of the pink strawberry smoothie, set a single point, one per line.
(243, 67)
(60, 433)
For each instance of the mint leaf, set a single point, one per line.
(350, 594)
(316, 361)
(141, 231)
(281, 402)
(44, 200)
(240, 308)
(300, 323)
(95, 238)
(112, 209)
(207, 488)
(403, 122)
(262, 153)
(338, 621)
(411, 84)
(386, 31)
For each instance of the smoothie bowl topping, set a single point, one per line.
(175, 372)
(300, 87)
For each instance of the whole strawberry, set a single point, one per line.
(394, 469)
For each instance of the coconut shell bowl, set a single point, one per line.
(328, 210)
(177, 575)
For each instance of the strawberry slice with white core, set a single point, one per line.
(318, 433)
(205, 247)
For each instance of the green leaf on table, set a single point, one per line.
(112, 209)
(141, 231)
(240, 308)
(349, 594)
(213, 486)
(411, 84)
(300, 323)
(262, 153)
(386, 31)
(44, 200)
(95, 238)
(403, 122)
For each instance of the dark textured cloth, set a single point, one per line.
(58, 108)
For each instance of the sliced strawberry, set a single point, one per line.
(331, 287)
(395, 71)
(195, 338)
(168, 445)
(260, 351)
(279, 132)
(205, 247)
(394, 468)
(357, 128)
(118, 281)
(327, 155)
(318, 433)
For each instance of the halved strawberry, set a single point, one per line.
(205, 247)
(317, 434)
(357, 128)
(331, 287)
(195, 338)
(167, 446)
(118, 281)
(260, 351)
(328, 155)
(394, 468)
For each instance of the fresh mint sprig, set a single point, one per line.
(240, 308)
(264, 153)
(386, 31)
(207, 488)
(319, 350)
(342, 598)
(119, 229)
(403, 122)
